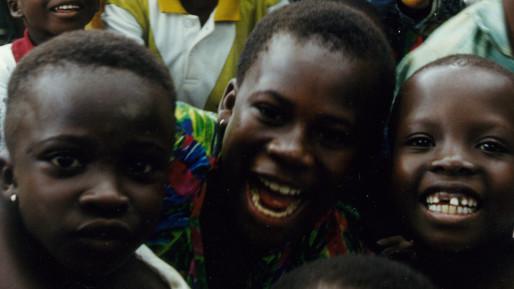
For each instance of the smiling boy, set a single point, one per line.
(453, 171)
(265, 189)
(43, 20)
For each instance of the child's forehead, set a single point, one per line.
(449, 82)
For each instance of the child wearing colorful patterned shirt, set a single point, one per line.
(265, 186)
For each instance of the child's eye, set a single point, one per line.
(145, 169)
(139, 167)
(66, 162)
(334, 138)
(420, 141)
(492, 146)
(270, 114)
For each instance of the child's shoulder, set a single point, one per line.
(196, 123)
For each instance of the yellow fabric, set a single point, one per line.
(96, 22)
(251, 12)
(227, 10)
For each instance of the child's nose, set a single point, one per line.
(105, 198)
(453, 164)
(291, 147)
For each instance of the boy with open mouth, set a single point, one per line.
(264, 193)
(453, 171)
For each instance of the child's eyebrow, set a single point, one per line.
(69, 139)
(276, 96)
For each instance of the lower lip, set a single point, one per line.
(66, 14)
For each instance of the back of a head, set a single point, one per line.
(88, 49)
(354, 272)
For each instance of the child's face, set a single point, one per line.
(90, 163)
(289, 144)
(453, 163)
(47, 18)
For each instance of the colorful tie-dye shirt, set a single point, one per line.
(178, 238)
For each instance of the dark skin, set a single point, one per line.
(88, 180)
(200, 8)
(289, 130)
(455, 137)
(45, 19)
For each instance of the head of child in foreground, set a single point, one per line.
(311, 93)
(45, 19)
(453, 156)
(353, 272)
(89, 129)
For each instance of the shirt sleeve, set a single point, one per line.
(128, 17)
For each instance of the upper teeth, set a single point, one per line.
(278, 188)
(454, 205)
(455, 201)
(67, 7)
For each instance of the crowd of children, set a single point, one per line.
(318, 155)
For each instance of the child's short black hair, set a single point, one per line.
(455, 60)
(91, 49)
(336, 25)
(468, 60)
(355, 272)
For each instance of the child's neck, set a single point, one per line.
(485, 268)
(200, 8)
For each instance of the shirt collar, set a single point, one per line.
(21, 46)
(491, 20)
(227, 10)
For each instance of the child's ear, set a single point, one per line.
(14, 8)
(227, 102)
(7, 182)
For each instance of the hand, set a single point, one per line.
(396, 247)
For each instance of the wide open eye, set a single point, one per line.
(492, 146)
(66, 161)
(420, 141)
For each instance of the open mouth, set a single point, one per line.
(451, 203)
(273, 199)
(66, 8)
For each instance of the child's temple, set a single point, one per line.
(257, 144)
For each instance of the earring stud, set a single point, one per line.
(13, 198)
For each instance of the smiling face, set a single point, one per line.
(453, 162)
(290, 138)
(90, 162)
(47, 18)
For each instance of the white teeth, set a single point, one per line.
(67, 7)
(281, 189)
(288, 211)
(448, 203)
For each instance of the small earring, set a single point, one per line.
(13, 198)
(222, 122)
